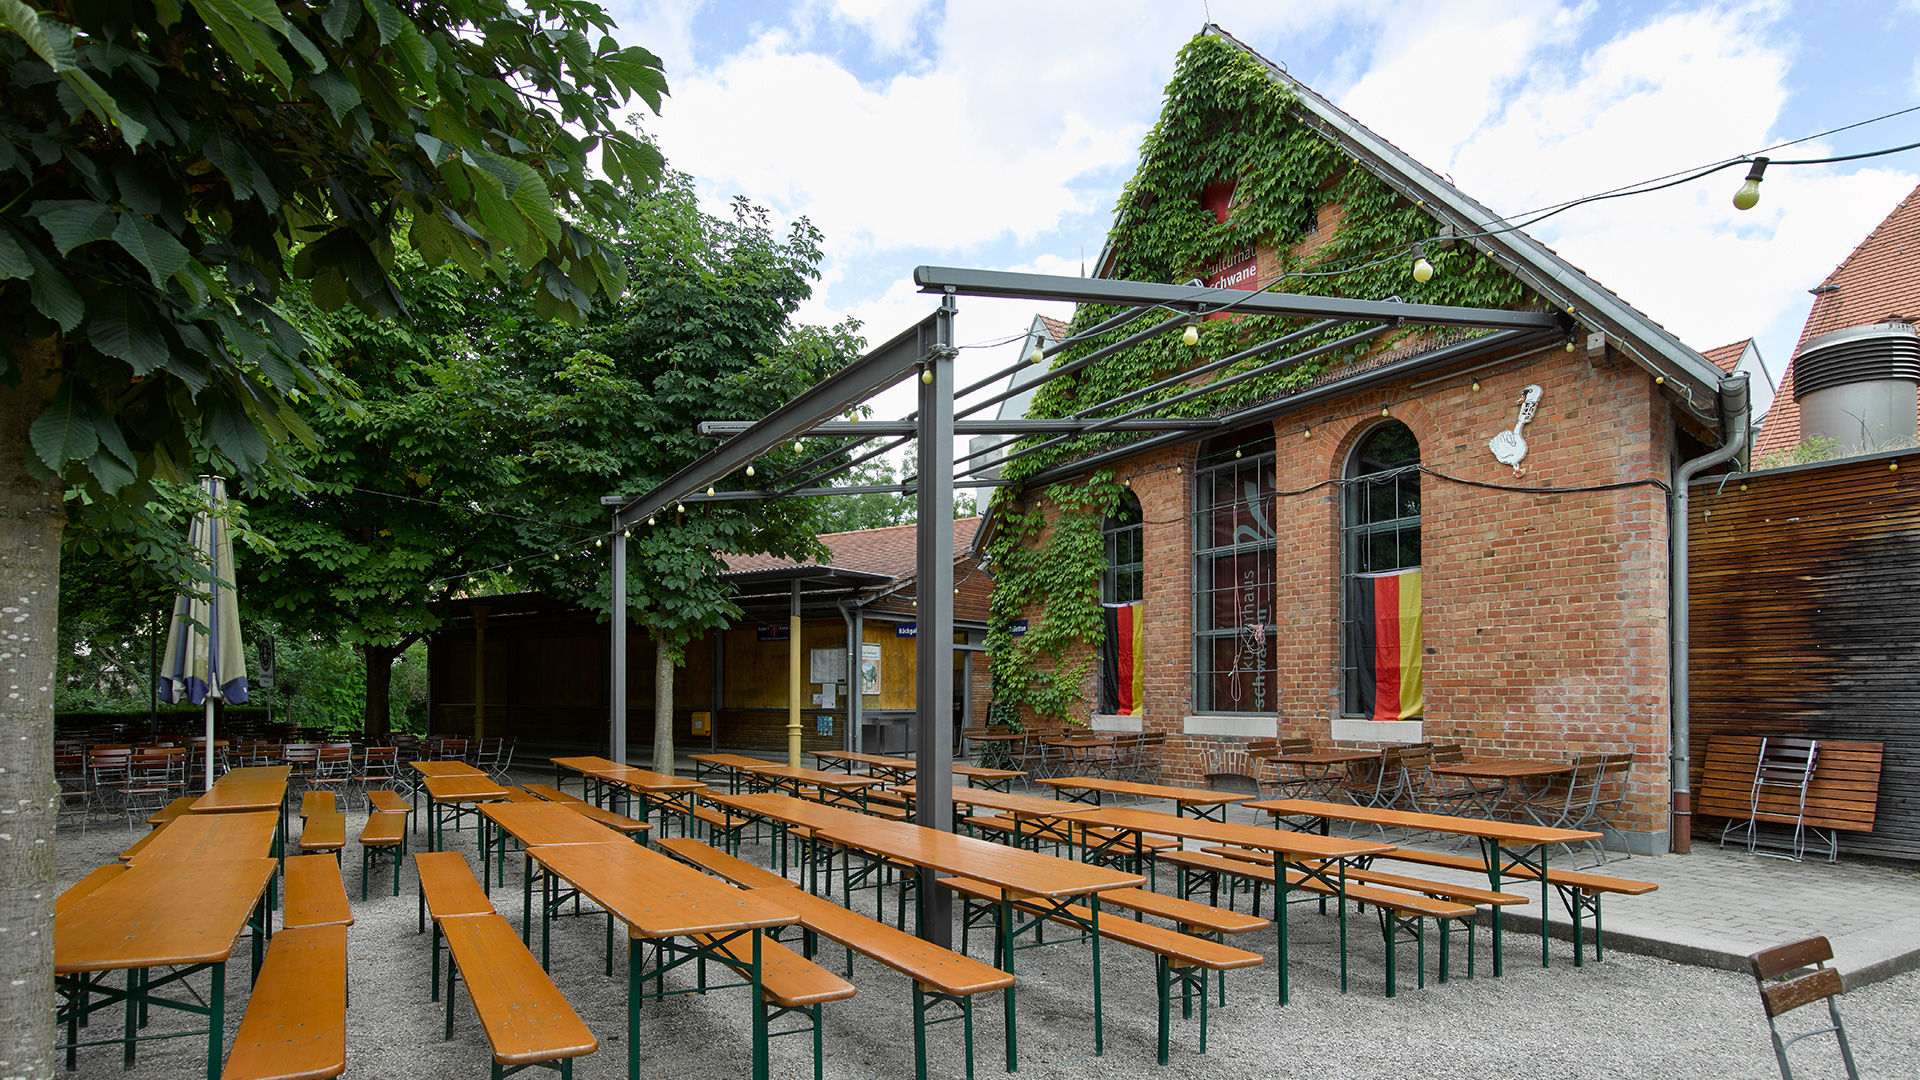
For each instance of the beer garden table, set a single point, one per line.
(1318, 775)
(1029, 877)
(1508, 772)
(663, 901)
(178, 913)
(250, 790)
(1202, 802)
(1503, 844)
(449, 796)
(1308, 853)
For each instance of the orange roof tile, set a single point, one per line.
(891, 551)
(1727, 357)
(1055, 328)
(1880, 280)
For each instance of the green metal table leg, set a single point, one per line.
(635, 977)
(1282, 901)
(1099, 1020)
(759, 1013)
(1005, 962)
(216, 1021)
(1493, 879)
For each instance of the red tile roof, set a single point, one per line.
(1727, 357)
(1879, 281)
(890, 551)
(1055, 328)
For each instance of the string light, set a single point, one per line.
(1749, 193)
(709, 491)
(1385, 411)
(1422, 269)
(749, 470)
(1476, 386)
(1191, 335)
(926, 375)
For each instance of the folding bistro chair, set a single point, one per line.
(1790, 993)
(1784, 770)
(1461, 796)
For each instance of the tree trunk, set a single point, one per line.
(379, 659)
(32, 517)
(664, 661)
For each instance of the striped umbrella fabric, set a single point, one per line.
(1383, 612)
(204, 661)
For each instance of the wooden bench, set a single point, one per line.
(295, 1026)
(739, 871)
(1178, 957)
(383, 837)
(386, 801)
(1440, 890)
(315, 895)
(324, 834)
(1581, 893)
(526, 1019)
(318, 802)
(1842, 795)
(448, 890)
(1402, 915)
(790, 985)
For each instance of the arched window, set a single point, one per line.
(1380, 553)
(1120, 534)
(1233, 552)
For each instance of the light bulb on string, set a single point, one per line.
(1191, 335)
(1749, 193)
(749, 470)
(926, 375)
(1037, 357)
(1422, 269)
(709, 491)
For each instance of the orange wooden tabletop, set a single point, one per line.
(1017, 869)
(161, 913)
(802, 812)
(445, 768)
(1504, 768)
(1006, 802)
(980, 772)
(1507, 832)
(1186, 796)
(1259, 837)
(463, 789)
(210, 836)
(882, 760)
(658, 897)
(581, 764)
(731, 761)
(1335, 756)
(253, 773)
(643, 780)
(839, 781)
(240, 797)
(541, 823)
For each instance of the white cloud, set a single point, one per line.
(889, 23)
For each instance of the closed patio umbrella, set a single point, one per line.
(204, 661)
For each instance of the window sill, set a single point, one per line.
(1127, 724)
(1359, 729)
(1238, 725)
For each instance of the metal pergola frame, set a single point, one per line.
(928, 350)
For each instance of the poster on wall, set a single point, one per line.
(826, 665)
(869, 668)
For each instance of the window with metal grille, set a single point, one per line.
(1120, 534)
(1234, 547)
(1380, 529)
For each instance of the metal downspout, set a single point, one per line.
(1735, 414)
(853, 678)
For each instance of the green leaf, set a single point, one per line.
(112, 441)
(50, 40)
(64, 432)
(72, 222)
(530, 195)
(386, 18)
(13, 258)
(237, 25)
(53, 293)
(104, 105)
(316, 60)
(111, 474)
(340, 19)
(236, 435)
(121, 325)
(157, 250)
(334, 89)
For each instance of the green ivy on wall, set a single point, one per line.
(1223, 119)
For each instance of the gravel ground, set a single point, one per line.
(1631, 1016)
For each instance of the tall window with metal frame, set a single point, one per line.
(1234, 548)
(1123, 607)
(1380, 655)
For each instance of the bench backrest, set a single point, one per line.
(1789, 994)
(1843, 794)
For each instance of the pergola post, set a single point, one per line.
(793, 677)
(618, 615)
(933, 636)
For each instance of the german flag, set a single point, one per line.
(1123, 661)
(1383, 638)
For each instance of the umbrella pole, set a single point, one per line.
(209, 748)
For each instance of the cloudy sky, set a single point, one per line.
(993, 134)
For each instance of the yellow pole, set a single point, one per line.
(793, 680)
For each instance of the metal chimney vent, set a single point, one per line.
(1858, 386)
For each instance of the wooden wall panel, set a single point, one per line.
(1805, 601)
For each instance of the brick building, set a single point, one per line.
(1540, 618)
